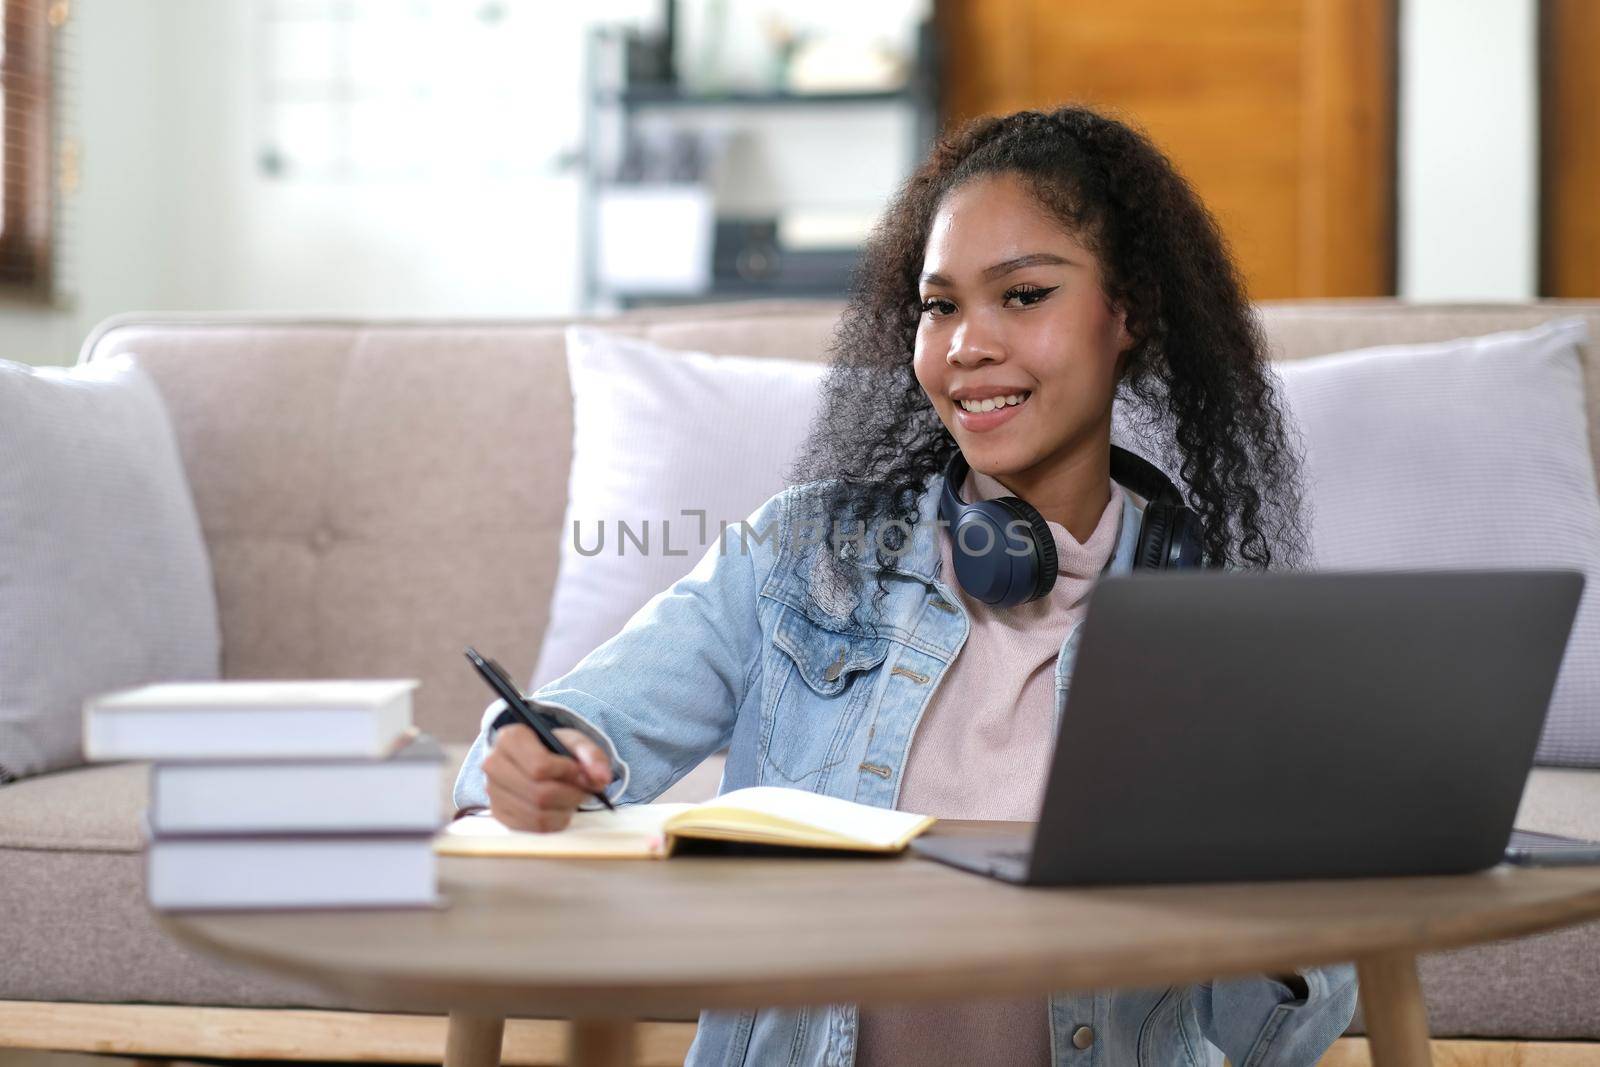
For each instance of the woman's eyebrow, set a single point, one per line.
(1032, 259)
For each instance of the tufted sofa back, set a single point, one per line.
(376, 495)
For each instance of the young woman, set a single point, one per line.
(1036, 268)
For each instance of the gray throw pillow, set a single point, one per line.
(104, 577)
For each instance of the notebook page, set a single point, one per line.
(633, 829)
(860, 822)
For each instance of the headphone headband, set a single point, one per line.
(1143, 477)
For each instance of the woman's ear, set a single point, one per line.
(1124, 338)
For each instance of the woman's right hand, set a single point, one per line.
(532, 788)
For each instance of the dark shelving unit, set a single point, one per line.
(808, 273)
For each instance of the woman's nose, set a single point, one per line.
(973, 344)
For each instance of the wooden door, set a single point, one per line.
(1280, 112)
(1569, 148)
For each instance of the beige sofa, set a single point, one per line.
(375, 495)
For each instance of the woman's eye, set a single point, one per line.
(936, 307)
(1027, 295)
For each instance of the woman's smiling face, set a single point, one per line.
(1013, 309)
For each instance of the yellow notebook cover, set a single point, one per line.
(760, 815)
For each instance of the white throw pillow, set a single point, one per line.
(655, 433)
(104, 577)
(1471, 453)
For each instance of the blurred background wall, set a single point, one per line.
(522, 158)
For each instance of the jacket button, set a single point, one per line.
(835, 668)
(1082, 1037)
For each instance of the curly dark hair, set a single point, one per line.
(1195, 390)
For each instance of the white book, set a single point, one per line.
(186, 873)
(243, 719)
(399, 793)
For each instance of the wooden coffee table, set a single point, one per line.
(606, 942)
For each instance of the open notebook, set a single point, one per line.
(761, 815)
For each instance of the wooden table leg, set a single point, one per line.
(1391, 1004)
(601, 1043)
(473, 1040)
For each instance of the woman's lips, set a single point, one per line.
(984, 421)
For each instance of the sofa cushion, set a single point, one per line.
(87, 809)
(78, 929)
(104, 578)
(653, 431)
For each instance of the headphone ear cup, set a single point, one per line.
(1155, 537)
(1049, 560)
(1169, 539)
(1044, 575)
(1187, 547)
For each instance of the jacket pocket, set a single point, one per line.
(1163, 1041)
(825, 682)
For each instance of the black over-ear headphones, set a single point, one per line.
(1004, 553)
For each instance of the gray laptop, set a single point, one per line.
(1247, 726)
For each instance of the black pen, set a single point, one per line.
(501, 683)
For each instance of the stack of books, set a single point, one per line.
(279, 794)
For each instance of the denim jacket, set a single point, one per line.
(737, 655)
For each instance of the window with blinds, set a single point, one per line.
(26, 199)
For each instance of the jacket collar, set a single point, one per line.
(921, 557)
